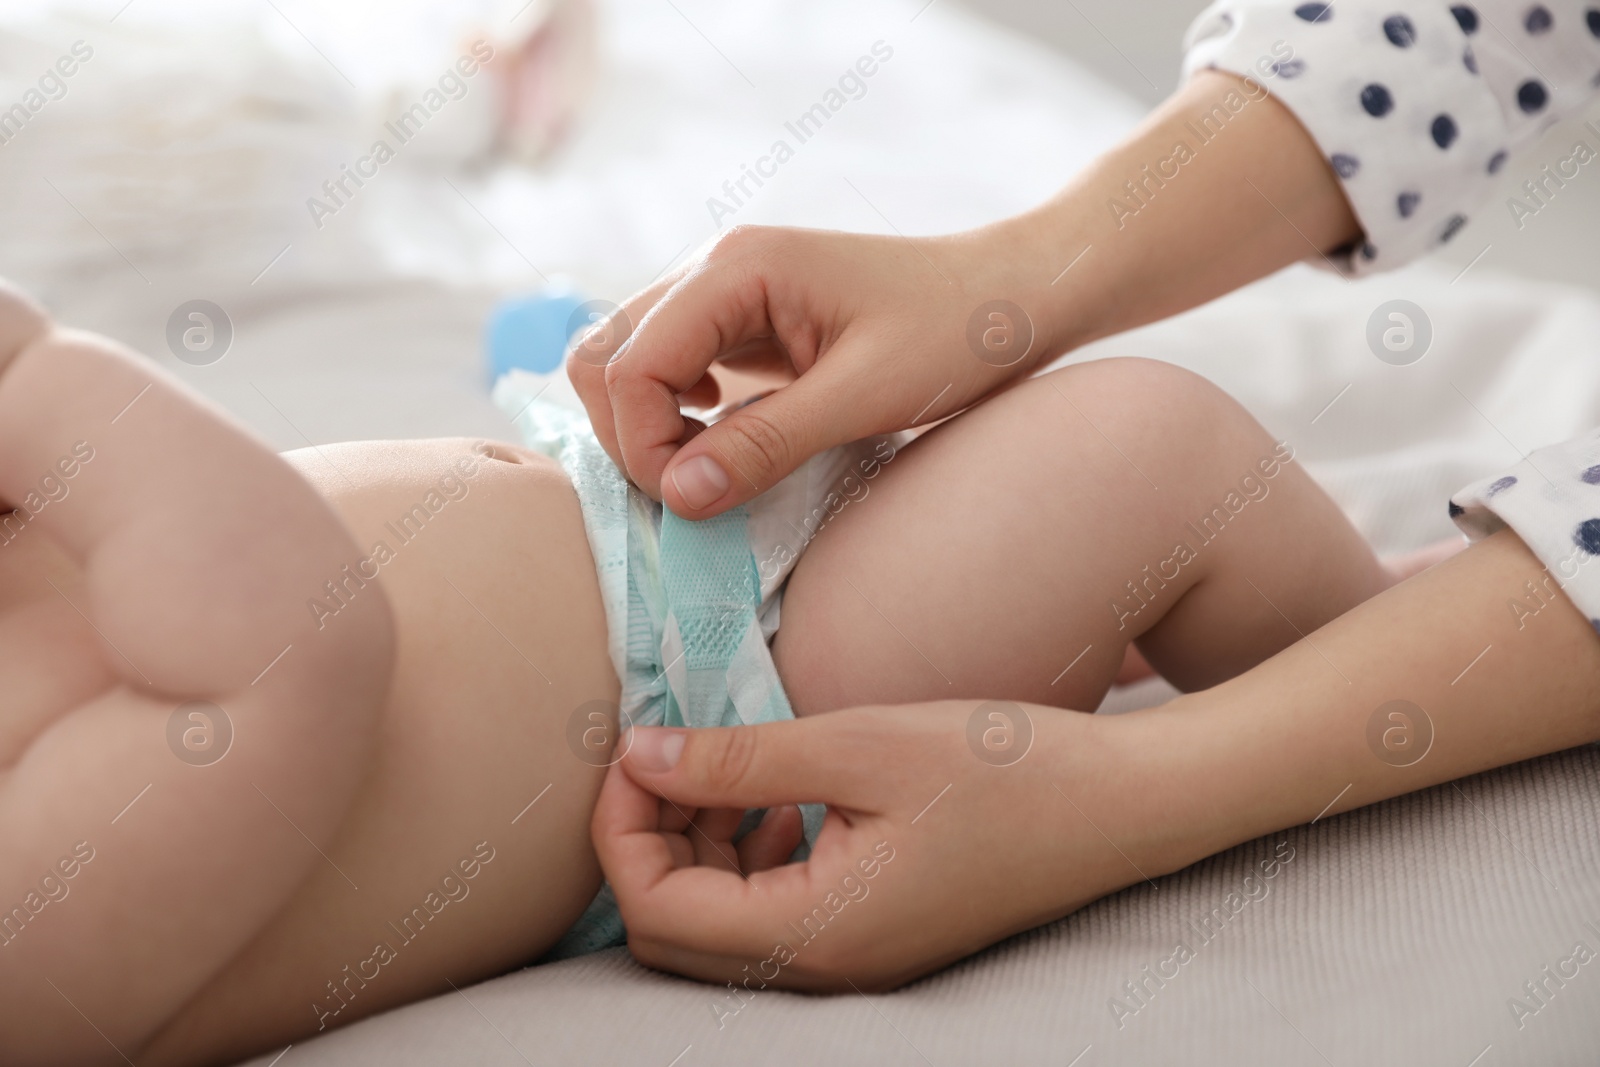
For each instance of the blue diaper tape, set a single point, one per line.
(682, 602)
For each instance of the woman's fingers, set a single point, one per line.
(821, 759)
(691, 914)
(756, 299)
(693, 918)
(679, 877)
(711, 835)
(772, 842)
(703, 394)
(861, 334)
(760, 444)
(714, 308)
(675, 818)
(929, 850)
(598, 345)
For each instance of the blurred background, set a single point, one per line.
(372, 204)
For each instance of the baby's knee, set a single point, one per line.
(1131, 395)
(21, 322)
(1137, 382)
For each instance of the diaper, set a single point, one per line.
(690, 606)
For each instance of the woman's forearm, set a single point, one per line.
(998, 818)
(1219, 186)
(1476, 663)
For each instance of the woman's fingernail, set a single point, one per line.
(700, 481)
(655, 749)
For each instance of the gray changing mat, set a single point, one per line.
(1403, 933)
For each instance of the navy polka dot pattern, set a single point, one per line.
(1444, 131)
(1420, 108)
(1377, 100)
(1400, 31)
(1552, 501)
(1587, 536)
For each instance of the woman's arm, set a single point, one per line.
(931, 852)
(880, 329)
(1416, 112)
(1218, 187)
(1489, 674)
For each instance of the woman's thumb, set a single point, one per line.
(760, 444)
(826, 759)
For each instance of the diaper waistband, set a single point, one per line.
(689, 606)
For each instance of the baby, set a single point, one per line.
(289, 740)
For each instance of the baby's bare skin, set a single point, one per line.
(207, 907)
(419, 724)
(471, 733)
(178, 543)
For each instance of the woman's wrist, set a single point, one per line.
(1177, 786)
(1140, 788)
(1188, 207)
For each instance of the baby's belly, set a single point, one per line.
(467, 850)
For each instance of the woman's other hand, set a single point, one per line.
(950, 826)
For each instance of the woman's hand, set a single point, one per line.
(950, 826)
(954, 824)
(868, 334)
(872, 332)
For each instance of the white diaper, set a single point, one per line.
(690, 606)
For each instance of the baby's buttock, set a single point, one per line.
(501, 646)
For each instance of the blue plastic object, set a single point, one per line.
(532, 332)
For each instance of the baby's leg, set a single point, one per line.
(184, 554)
(1015, 551)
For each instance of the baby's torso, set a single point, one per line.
(466, 851)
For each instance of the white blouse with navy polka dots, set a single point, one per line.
(1417, 105)
(1552, 500)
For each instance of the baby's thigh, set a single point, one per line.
(989, 559)
(964, 570)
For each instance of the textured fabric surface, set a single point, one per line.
(1396, 934)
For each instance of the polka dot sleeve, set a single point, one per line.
(1552, 500)
(1417, 104)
